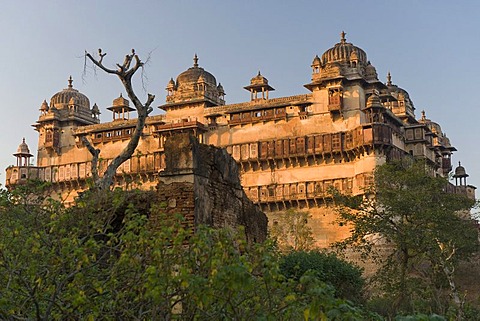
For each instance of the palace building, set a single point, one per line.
(289, 150)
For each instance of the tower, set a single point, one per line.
(68, 110)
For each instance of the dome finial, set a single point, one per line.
(342, 35)
(195, 61)
(389, 79)
(70, 81)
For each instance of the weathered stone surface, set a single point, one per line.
(202, 183)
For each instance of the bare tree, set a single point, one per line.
(125, 73)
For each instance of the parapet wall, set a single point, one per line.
(205, 179)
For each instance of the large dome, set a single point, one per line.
(69, 95)
(344, 52)
(195, 75)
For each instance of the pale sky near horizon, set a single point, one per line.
(431, 48)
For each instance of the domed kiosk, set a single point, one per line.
(345, 72)
(68, 108)
(342, 61)
(23, 154)
(194, 85)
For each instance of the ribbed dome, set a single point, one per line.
(343, 52)
(374, 101)
(193, 74)
(61, 99)
(23, 149)
(460, 171)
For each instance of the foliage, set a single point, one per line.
(102, 259)
(420, 317)
(291, 231)
(411, 213)
(345, 277)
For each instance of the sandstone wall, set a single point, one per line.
(205, 179)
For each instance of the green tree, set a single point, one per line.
(105, 259)
(411, 212)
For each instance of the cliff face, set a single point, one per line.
(202, 183)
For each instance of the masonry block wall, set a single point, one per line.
(202, 183)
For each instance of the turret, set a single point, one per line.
(23, 154)
(259, 84)
(121, 108)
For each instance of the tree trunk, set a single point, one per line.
(125, 74)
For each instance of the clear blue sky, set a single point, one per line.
(432, 49)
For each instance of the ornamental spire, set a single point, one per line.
(195, 61)
(70, 81)
(342, 35)
(389, 79)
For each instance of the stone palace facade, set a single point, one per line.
(289, 150)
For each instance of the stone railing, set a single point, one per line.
(137, 164)
(257, 103)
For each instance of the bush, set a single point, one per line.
(345, 277)
(103, 259)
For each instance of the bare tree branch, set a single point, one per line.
(125, 73)
(99, 63)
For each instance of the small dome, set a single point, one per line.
(171, 84)
(446, 141)
(220, 89)
(316, 61)
(120, 101)
(62, 99)
(95, 110)
(460, 171)
(194, 74)
(370, 71)
(258, 80)
(120, 105)
(343, 51)
(374, 101)
(23, 149)
(44, 106)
